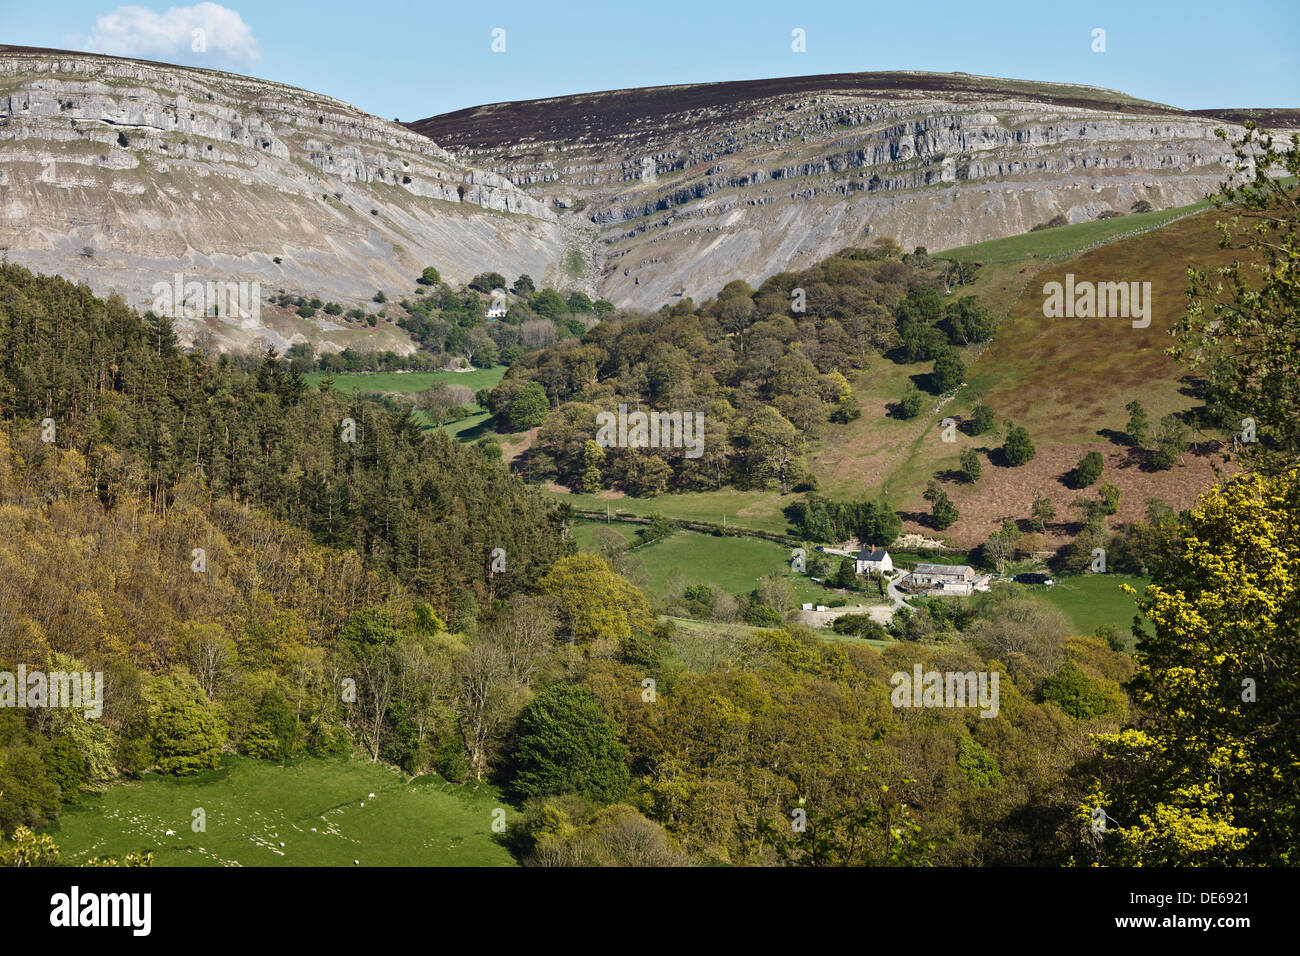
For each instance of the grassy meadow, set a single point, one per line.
(723, 562)
(409, 383)
(756, 510)
(311, 805)
(1091, 600)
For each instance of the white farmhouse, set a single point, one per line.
(873, 559)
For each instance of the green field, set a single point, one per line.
(407, 382)
(584, 530)
(1091, 600)
(757, 510)
(472, 427)
(732, 564)
(1064, 240)
(252, 806)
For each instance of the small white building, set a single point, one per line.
(873, 559)
(497, 310)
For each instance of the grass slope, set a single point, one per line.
(407, 382)
(1066, 380)
(757, 510)
(723, 562)
(1091, 600)
(733, 564)
(1066, 240)
(252, 806)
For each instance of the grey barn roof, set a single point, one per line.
(961, 569)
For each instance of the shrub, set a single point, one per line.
(1018, 449)
(187, 733)
(909, 406)
(942, 511)
(949, 371)
(859, 625)
(1054, 223)
(847, 409)
(1081, 696)
(566, 744)
(760, 615)
(981, 420)
(1087, 470)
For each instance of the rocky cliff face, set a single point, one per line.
(122, 173)
(685, 188)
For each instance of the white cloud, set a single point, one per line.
(205, 34)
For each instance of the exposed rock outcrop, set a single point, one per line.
(122, 172)
(692, 186)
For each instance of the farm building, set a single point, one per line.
(873, 559)
(960, 579)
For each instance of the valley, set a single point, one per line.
(950, 508)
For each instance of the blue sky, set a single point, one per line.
(410, 59)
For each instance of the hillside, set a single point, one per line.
(1067, 381)
(121, 173)
(683, 188)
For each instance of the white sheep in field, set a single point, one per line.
(171, 832)
(371, 797)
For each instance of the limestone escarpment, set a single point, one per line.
(690, 187)
(122, 172)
